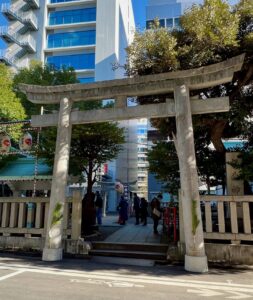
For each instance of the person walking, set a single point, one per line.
(123, 213)
(99, 206)
(137, 207)
(156, 211)
(144, 211)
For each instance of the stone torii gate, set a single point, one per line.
(182, 107)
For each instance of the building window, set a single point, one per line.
(142, 169)
(176, 22)
(162, 22)
(173, 23)
(70, 39)
(150, 23)
(141, 130)
(76, 61)
(86, 79)
(59, 1)
(169, 23)
(142, 159)
(72, 16)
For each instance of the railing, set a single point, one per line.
(28, 217)
(5, 56)
(27, 18)
(29, 43)
(227, 218)
(33, 3)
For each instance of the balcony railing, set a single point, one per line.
(26, 42)
(33, 3)
(6, 58)
(28, 19)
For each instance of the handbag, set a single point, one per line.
(157, 213)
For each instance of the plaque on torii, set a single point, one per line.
(182, 107)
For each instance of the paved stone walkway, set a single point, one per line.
(131, 233)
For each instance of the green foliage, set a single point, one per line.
(57, 214)
(206, 29)
(209, 33)
(152, 52)
(96, 143)
(37, 74)
(11, 108)
(163, 162)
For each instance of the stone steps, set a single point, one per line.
(129, 253)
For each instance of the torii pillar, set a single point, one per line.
(53, 245)
(195, 257)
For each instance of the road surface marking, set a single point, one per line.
(137, 279)
(117, 284)
(205, 292)
(11, 275)
(239, 296)
(211, 293)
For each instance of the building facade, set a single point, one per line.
(167, 11)
(88, 35)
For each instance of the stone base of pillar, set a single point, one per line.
(196, 264)
(52, 254)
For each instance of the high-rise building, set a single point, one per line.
(88, 35)
(167, 11)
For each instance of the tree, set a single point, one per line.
(38, 74)
(11, 108)
(92, 145)
(203, 39)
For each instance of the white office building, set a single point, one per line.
(88, 35)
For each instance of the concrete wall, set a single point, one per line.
(218, 253)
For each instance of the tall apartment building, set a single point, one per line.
(88, 35)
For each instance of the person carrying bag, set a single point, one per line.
(156, 211)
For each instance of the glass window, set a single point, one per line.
(169, 23)
(59, 1)
(162, 23)
(86, 79)
(142, 159)
(176, 22)
(149, 24)
(72, 16)
(70, 39)
(77, 61)
(142, 130)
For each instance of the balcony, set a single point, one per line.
(6, 58)
(12, 13)
(9, 12)
(27, 43)
(33, 4)
(30, 21)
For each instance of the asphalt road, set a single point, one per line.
(31, 279)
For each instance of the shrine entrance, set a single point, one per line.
(182, 107)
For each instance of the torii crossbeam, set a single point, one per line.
(182, 107)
